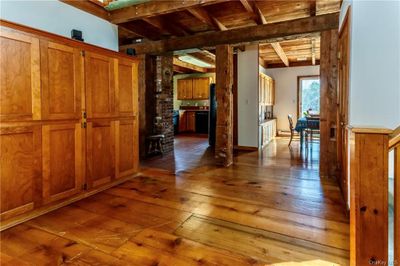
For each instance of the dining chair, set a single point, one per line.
(312, 127)
(290, 118)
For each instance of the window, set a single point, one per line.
(308, 95)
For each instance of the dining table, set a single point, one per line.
(302, 124)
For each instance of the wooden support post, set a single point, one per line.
(328, 103)
(147, 72)
(397, 204)
(224, 83)
(369, 196)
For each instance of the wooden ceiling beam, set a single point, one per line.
(204, 57)
(164, 25)
(292, 64)
(313, 8)
(192, 67)
(272, 32)
(155, 8)
(279, 51)
(89, 7)
(140, 29)
(248, 6)
(202, 15)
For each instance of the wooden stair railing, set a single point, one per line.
(394, 144)
(369, 151)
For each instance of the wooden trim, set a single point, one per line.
(345, 20)
(45, 209)
(245, 148)
(298, 90)
(397, 204)
(370, 130)
(394, 138)
(273, 32)
(29, 31)
(369, 201)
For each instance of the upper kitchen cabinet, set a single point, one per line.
(185, 89)
(19, 76)
(193, 88)
(201, 88)
(266, 90)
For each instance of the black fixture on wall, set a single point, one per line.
(76, 35)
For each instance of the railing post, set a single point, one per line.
(396, 205)
(369, 196)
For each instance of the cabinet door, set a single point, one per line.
(19, 76)
(182, 121)
(62, 161)
(127, 150)
(100, 151)
(20, 169)
(100, 85)
(191, 121)
(62, 81)
(266, 90)
(127, 90)
(272, 92)
(201, 88)
(260, 88)
(185, 89)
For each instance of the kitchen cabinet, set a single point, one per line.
(266, 90)
(201, 88)
(187, 121)
(185, 89)
(267, 132)
(193, 89)
(69, 115)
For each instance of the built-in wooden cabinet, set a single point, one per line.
(193, 89)
(267, 132)
(187, 121)
(69, 119)
(266, 90)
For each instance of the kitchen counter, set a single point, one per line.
(266, 121)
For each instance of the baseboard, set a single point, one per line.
(245, 148)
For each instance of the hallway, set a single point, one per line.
(268, 208)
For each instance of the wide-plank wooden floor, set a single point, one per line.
(270, 207)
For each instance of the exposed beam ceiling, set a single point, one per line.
(204, 56)
(313, 8)
(143, 29)
(313, 51)
(155, 8)
(272, 32)
(162, 24)
(89, 7)
(201, 14)
(192, 67)
(279, 51)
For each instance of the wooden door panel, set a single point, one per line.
(100, 85)
(62, 81)
(62, 158)
(19, 76)
(100, 152)
(20, 171)
(201, 88)
(126, 148)
(182, 121)
(191, 121)
(127, 88)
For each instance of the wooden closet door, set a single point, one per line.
(127, 148)
(100, 74)
(100, 141)
(62, 81)
(62, 161)
(127, 89)
(20, 169)
(19, 76)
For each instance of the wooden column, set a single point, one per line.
(224, 83)
(147, 110)
(397, 204)
(369, 196)
(328, 103)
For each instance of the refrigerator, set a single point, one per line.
(212, 119)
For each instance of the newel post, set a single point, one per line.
(369, 196)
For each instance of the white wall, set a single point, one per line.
(248, 97)
(59, 18)
(286, 91)
(375, 64)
